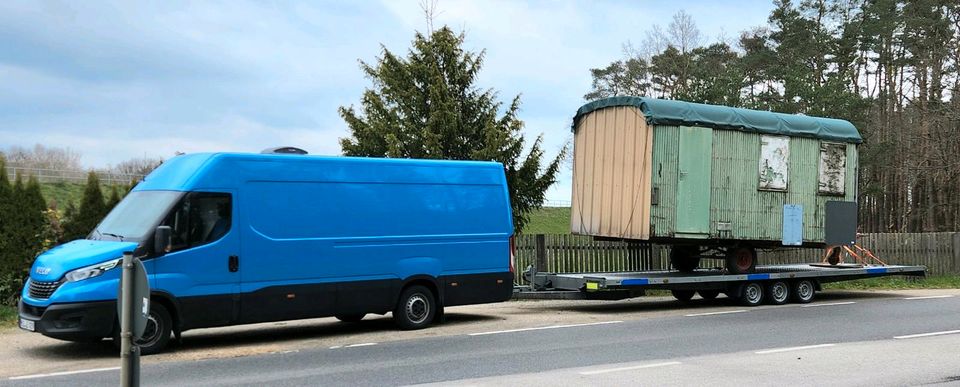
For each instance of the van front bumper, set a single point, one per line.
(74, 322)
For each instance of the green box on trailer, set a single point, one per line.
(696, 175)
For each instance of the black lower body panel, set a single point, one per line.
(483, 288)
(75, 321)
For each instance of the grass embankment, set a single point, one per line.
(64, 193)
(549, 220)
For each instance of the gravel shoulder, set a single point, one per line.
(27, 353)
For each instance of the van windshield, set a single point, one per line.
(134, 217)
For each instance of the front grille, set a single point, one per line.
(43, 290)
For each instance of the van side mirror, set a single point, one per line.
(162, 240)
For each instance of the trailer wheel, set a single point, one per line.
(741, 260)
(416, 308)
(684, 258)
(351, 318)
(751, 294)
(683, 295)
(708, 294)
(778, 293)
(803, 291)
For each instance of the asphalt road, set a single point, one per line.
(859, 341)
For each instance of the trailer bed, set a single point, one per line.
(631, 284)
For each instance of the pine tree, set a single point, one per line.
(427, 105)
(91, 212)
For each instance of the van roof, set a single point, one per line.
(224, 170)
(680, 113)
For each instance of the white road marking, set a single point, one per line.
(715, 313)
(597, 372)
(360, 345)
(927, 334)
(929, 297)
(778, 350)
(63, 373)
(829, 304)
(336, 347)
(542, 328)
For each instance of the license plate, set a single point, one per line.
(28, 325)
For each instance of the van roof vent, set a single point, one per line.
(283, 150)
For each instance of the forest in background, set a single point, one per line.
(890, 67)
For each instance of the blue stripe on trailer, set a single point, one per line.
(877, 270)
(636, 281)
(751, 277)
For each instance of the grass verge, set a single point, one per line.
(894, 283)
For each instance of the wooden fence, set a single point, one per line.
(564, 253)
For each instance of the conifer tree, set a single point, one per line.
(91, 212)
(427, 105)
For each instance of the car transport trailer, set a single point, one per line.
(775, 284)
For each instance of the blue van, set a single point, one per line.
(232, 238)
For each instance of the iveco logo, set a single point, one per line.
(42, 270)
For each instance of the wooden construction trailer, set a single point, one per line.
(712, 181)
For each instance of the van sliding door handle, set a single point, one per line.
(234, 263)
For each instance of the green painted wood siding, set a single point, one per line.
(753, 214)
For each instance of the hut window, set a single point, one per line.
(774, 158)
(833, 164)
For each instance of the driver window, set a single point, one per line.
(198, 219)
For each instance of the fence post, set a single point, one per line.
(541, 253)
(956, 253)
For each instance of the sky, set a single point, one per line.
(119, 80)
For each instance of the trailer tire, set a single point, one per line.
(751, 294)
(415, 309)
(741, 260)
(708, 294)
(684, 258)
(683, 295)
(778, 293)
(833, 256)
(803, 291)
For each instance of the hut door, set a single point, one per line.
(693, 181)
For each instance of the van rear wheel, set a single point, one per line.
(415, 309)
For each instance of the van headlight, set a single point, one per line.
(92, 270)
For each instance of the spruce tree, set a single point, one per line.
(34, 219)
(427, 105)
(114, 199)
(6, 221)
(91, 212)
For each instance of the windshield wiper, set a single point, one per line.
(113, 235)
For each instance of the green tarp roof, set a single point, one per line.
(679, 113)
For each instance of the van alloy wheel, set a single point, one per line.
(417, 309)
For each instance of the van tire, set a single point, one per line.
(415, 309)
(159, 329)
(351, 318)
